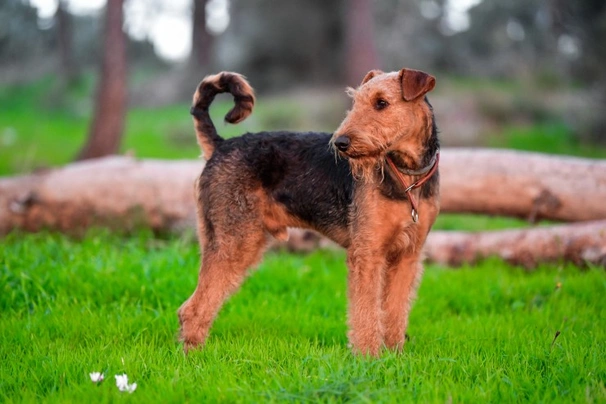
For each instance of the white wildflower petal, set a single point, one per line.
(122, 383)
(96, 377)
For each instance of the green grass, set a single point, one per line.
(105, 303)
(547, 137)
(471, 222)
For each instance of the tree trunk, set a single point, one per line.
(202, 40)
(65, 34)
(361, 54)
(110, 109)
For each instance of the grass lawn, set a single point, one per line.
(106, 303)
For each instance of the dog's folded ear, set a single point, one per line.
(370, 75)
(415, 83)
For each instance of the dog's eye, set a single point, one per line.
(381, 104)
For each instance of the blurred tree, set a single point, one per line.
(110, 108)
(496, 38)
(202, 40)
(403, 37)
(584, 22)
(21, 39)
(580, 28)
(283, 44)
(361, 53)
(69, 70)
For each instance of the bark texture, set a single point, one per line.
(65, 35)
(578, 242)
(116, 192)
(361, 52)
(532, 186)
(202, 40)
(110, 109)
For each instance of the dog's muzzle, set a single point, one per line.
(342, 143)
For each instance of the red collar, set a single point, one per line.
(428, 171)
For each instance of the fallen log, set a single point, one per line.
(580, 243)
(118, 192)
(528, 185)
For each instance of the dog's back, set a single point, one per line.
(297, 171)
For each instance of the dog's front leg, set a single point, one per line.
(364, 292)
(403, 275)
(401, 281)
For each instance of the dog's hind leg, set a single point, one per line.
(224, 267)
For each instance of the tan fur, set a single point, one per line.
(379, 305)
(402, 126)
(384, 246)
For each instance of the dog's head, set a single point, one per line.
(389, 112)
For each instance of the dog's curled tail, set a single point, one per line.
(224, 82)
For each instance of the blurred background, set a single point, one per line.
(524, 74)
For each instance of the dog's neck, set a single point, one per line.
(417, 162)
(424, 168)
(415, 152)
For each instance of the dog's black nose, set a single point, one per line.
(342, 143)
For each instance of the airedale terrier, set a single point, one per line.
(372, 187)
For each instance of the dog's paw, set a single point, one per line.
(191, 333)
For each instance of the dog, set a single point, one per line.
(372, 187)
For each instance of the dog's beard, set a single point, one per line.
(366, 161)
(366, 169)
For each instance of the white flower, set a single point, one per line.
(96, 377)
(122, 383)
